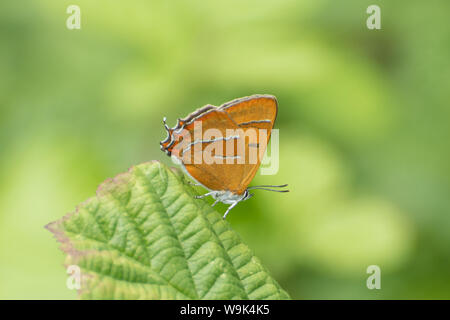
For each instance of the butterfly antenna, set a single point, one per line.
(165, 124)
(269, 188)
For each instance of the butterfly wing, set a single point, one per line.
(252, 113)
(205, 158)
(257, 111)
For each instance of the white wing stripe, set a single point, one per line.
(207, 141)
(255, 121)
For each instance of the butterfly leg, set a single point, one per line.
(204, 195)
(229, 208)
(194, 184)
(215, 202)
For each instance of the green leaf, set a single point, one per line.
(145, 236)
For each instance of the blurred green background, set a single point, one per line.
(363, 118)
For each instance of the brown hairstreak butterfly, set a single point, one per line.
(221, 148)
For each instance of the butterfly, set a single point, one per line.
(221, 148)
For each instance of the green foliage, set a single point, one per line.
(144, 236)
(363, 125)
